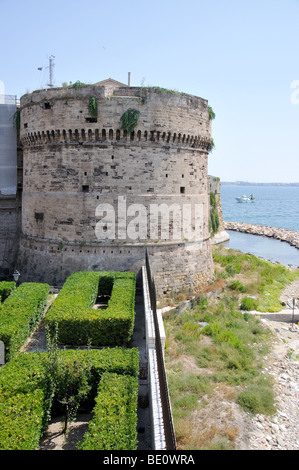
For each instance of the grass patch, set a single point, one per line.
(237, 285)
(259, 278)
(225, 347)
(248, 304)
(258, 397)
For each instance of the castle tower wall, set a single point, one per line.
(77, 163)
(214, 186)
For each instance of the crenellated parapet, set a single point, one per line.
(119, 136)
(63, 114)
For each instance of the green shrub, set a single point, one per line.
(214, 219)
(78, 84)
(248, 303)
(21, 418)
(118, 360)
(213, 201)
(21, 312)
(221, 334)
(129, 119)
(93, 106)
(212, 114)
(230, 270)
(236, 285)
(24, 404)
(6, 287)
(80, 324)
(113, 426)
(258, 397)
(26, 393)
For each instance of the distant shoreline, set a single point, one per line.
(247, 183)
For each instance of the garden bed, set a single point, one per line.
(32, 384)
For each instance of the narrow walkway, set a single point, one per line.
(139, 341)
(286, 314)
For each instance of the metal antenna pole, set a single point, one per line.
(51, 67)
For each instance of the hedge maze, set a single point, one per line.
(102, 375)
(21, 311)
(78, 323)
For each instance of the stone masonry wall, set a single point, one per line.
(75, 162)
(10, 221)
(214, 187)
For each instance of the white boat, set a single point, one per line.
(246, 198)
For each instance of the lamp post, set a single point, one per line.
(293, 307)
(16, 276)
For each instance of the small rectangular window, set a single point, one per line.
(25, 125)
(89, 119)
(182, 190)
(85, 188)
(39, 215)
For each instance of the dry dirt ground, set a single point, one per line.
(222, 423)
(54, 439)
(281, 431)
(222, 416)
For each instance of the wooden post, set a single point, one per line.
(2, 353)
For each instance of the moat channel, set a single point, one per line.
(264, 247)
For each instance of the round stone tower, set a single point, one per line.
(109, 172)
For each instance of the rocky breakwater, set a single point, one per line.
(289, 236)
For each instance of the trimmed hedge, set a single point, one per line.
(21, 421)
(6, 287)
(114, 423)
(23, 402)
(20, 313)
(79, 324)
(26, 397)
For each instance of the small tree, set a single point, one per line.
(72, 385)
(68, 379)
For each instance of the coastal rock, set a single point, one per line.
(280, 431)
(289, 236)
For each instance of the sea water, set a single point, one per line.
(266, 248)
(274, 206)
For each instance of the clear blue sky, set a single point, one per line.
(242, 56)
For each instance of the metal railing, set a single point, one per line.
(165, 401)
